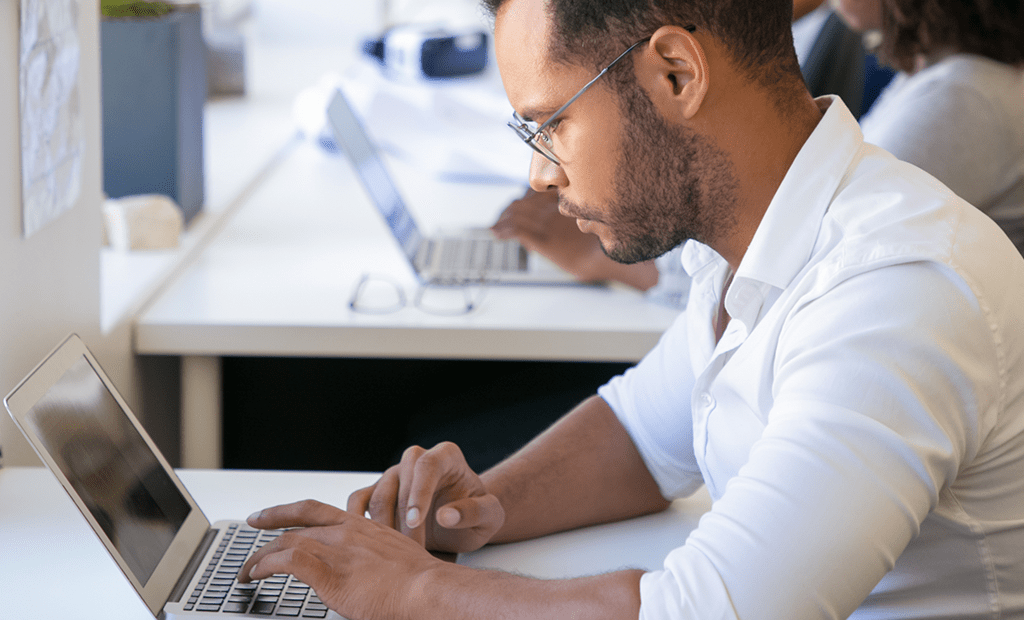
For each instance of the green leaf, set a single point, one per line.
(133, 8)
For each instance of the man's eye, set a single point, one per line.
(546, 134)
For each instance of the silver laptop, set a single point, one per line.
(180, 565)
(472, 255)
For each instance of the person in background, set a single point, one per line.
(956, 107)
(832, 60)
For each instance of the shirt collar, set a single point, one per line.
(787, 233)
(785, 238)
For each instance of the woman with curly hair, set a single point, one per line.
(956, 107)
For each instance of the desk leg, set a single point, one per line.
(200, 412)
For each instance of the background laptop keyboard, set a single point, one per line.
(275, 597)
(480, 255)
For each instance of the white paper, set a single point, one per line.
(52, 141)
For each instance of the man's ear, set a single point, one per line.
(674, 72)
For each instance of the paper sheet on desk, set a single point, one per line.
(455, 128)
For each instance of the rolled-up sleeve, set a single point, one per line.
(652, 401)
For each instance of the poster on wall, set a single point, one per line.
(52, 141)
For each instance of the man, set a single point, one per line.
(847, 379)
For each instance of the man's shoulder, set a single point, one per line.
(891, 212)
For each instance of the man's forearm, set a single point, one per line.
(581, 471)
(452, 592)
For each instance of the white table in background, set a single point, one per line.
(276, 281)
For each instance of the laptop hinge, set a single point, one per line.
(193, 566)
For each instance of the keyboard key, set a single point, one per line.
(288, 611)
(262, 608)
(207, 607)
(314, 613)
(235, 608)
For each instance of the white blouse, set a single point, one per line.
(962, 121)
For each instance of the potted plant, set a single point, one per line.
(153, 65)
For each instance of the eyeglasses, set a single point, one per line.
(537, 136)
(378, 294)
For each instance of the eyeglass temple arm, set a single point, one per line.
(597, 77)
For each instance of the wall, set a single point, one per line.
(50, 283)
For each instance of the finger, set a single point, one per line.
(502, 229)
(504, 226)
(244, 573)
(485, 513)
(299, 559)
(307, 513)
(359, 501)
(443, 460)
(384, 501)
(411, 510)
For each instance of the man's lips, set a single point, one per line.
(568, 213)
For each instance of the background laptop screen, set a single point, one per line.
(111, 467)
(352, 138)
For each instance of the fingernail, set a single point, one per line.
(448, 517)
(412, 518)
(254, 516)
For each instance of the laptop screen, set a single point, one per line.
(352, 138)
(110, 466)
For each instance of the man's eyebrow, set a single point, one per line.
(531, 114)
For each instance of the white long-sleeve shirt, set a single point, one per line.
(860, 425)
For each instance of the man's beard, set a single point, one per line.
(671, 184)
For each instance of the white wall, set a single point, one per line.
(49, 283)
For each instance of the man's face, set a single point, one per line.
(670, 185)
(641, 184)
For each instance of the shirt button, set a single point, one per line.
(707, 401)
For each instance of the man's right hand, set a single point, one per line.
(433, 497)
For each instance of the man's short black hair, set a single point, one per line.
(758, 33)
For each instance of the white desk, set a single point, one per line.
(54, 567)
(294, 232)
(277, 280)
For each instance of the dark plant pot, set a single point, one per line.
(154, 87)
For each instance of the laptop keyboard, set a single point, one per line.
(276, 597)
(481, 255)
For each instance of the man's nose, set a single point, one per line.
(546, 175)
